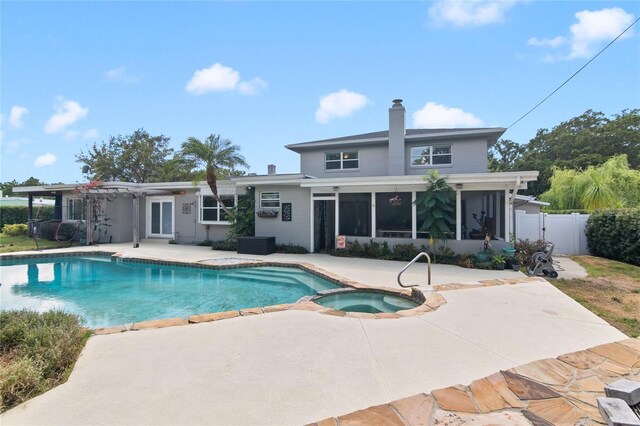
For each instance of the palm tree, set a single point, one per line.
(216, 155)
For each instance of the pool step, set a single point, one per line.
(297, 277)
(277, 280)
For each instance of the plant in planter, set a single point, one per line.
(515, 264)
(267, 212)
(498, 261)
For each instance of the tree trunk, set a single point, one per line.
(212, 181)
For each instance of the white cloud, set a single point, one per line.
(339, 104)
(252, 87)
(553, 43)
(67, 113)
(473, 13)
(596, 28)
(220, 78)
(121, 75)
(88, 134)
(45, 160)
(216, 78)
(91, 134)
(434, 115)
(591, 31)
(15, 116)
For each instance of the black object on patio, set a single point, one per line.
(256, 245)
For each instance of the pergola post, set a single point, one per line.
(89, 220)
(136, 221)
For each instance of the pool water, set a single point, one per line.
(365, 301)
(107, 293)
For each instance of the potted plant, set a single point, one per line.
(498, 261)
(515, 264)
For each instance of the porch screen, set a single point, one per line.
(393, 214)
(355, 214)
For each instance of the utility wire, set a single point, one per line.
(574, 74)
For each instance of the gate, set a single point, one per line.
(566, 231)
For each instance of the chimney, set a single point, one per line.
(271, 169)
(397, 131)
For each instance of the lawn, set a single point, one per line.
(21, 243)
(611, 291)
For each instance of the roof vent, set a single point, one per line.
(397, 102)
(271, 169)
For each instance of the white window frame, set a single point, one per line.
(78, 203)
(160, 199)
(269, 200)
(341, 160)
(431, 155)
(218, 209)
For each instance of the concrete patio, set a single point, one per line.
(294, 367)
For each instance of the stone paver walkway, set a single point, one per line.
(556, 391)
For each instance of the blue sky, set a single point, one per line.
(268, 74)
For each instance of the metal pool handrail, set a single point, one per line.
(411, 263)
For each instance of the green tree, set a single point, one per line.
(436, 206)
(138, 158)
(587, 140)
(218, 156)
(504, 154)
(612, 184)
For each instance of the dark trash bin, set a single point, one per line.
(256, 245)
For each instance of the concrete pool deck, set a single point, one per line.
(295, 367)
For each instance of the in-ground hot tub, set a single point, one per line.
(371, 302)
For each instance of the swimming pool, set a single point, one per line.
(107, 293)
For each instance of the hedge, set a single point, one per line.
(615, 234)
(10, 215)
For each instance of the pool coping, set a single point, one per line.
(427, 301)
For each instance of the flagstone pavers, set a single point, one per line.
(487, 397)
(561, 391)
(527, 389)
(548, 371)
(378, 415)
(582, 359)
(454, 398)
(415, 410)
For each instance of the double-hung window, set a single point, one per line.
(270, 200)
(212, 212)
(429, 155)
(343, 160)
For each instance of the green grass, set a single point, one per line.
(611, 291)
(600, 267)
(22, 243)
(37, 352)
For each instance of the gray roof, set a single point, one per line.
(492, 133)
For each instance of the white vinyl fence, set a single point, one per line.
(566, 231)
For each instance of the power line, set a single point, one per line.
(574, 74)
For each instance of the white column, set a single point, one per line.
(337, 225)
(373, 215)
(414, 216)
(458, 214)
(136, 221)
(312, 238)
(90, 221)
(507, 217)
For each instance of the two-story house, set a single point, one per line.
(362, 186)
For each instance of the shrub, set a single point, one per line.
(291, 249)
(10, 215)
(615, 234)
(205, 243)
(466, 260)
(15, 230)
(525, 249)
(37, 352)
(224, 245)
(405, 252)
